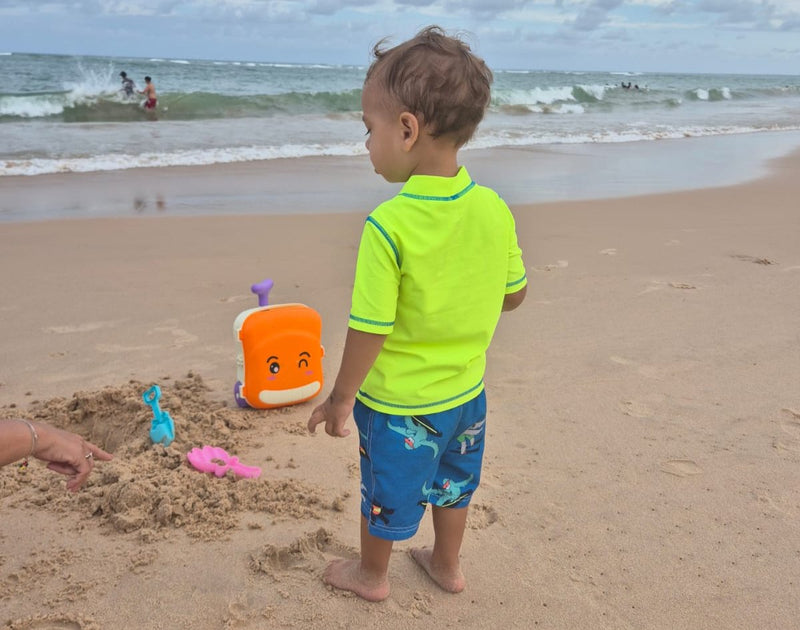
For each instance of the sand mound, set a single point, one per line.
(148, 488)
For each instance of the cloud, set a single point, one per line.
(737, 11)
(509, 33)
(595, 14)
(781, 15)
(791, 24)
(415, 3)
(331, 7)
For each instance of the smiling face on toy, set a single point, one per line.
(293, 374)
(282, 356)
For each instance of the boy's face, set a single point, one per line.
(385, 135)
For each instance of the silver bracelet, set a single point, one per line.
(34, 435)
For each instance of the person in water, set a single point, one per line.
(127, 84)
(150, 92)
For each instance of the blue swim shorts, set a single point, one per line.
(408, 462)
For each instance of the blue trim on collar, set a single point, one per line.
(437, 198)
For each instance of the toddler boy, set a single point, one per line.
(436, 266)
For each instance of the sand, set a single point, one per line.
(643, 455)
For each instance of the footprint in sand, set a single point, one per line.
(681, 468)
(753, 259)
(559, 264)
(250, 610)
(781, 504)
(792, 429)
(307, 553)
(657, 285)
(52, 622)
(481, 516)
(635, 409)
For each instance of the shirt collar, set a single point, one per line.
(435, 188)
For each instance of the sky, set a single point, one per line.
(719, 36)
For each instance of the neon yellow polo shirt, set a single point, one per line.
(434, 265)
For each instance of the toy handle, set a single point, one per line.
(151, 397)
(262, 289)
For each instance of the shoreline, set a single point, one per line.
(318, 185)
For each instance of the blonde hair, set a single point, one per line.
(438, 79)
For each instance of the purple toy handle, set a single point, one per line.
(262, 289)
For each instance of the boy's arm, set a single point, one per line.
(360, 351)
(513, 300)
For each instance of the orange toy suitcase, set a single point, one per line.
(280, 353)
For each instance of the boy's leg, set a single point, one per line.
(442, 562)
(367, 576)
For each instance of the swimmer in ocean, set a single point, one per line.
(127, 84)
(150, 92)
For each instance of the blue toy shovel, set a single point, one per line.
(162, 428)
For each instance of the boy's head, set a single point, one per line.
(438, 79)
(147, 79)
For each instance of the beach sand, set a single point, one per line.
(643, 455)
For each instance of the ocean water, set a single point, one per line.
(67, 114)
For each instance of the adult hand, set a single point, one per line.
(68, 454)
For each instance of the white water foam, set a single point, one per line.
(31, 106)
(201, 157)
(114, 161)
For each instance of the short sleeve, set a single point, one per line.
(377, 281)
(516, 278)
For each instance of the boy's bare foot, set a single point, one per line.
(347, 575)
(450, 580)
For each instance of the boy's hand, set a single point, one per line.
(334, 413)
(360, 351)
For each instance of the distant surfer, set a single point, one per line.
(127, 84)
(150, 92)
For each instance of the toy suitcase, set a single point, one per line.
(280, 353)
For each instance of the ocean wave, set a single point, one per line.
(710, 94)
(497, 138)
(82, 105)
(201, 157)
(548, 95)
(632, 134)
(95, 97)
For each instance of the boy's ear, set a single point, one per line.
(410, 128)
